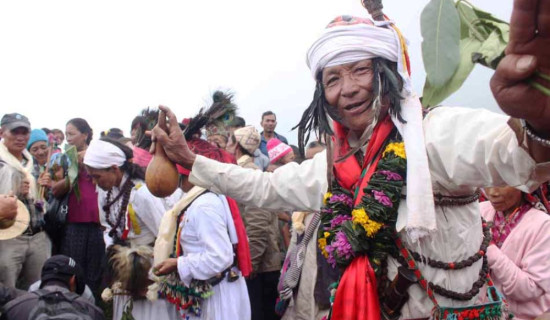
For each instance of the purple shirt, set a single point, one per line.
(86, 210)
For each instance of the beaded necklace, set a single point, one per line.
(496, 308)
(117, 225)
(408, 257)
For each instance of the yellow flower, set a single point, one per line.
(326, 234)
(326, 197)
(322, 244)
(398, 148)
(360, 216)
(372, 227)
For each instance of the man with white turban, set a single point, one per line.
(429, 224)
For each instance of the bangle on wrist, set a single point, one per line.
(531, 134)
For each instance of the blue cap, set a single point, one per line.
(37, 135)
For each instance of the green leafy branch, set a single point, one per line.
(456, 36)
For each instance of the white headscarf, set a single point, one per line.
(353, 39)
(102, 155)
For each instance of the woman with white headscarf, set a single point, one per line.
(131, 216)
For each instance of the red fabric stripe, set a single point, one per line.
(243, 250)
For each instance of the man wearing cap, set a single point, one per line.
(24, 255)
(61, 281)
(363, 90)
(262, 229)
(260, 159)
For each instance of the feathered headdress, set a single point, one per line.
(146, 121)
(215, 118)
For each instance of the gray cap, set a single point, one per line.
(11, 121)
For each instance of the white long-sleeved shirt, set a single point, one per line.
(467, 149)
(207, 251)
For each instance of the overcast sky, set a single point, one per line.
(106, 60)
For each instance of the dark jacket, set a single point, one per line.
(21, 307)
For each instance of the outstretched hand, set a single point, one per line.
(528, 52)
(171, 138)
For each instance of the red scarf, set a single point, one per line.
(349, 173)
(357, 297)
(243, 250)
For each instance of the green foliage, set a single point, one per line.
(72, 170)
(440, 27)
(482, 39)
(434, 95)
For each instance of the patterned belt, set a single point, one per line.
(452, 201)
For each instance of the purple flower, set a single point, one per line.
(391, 175)
(342, 245)
(382, 198)
(345, 199)
(338, 220)
(330, 259)
(326, 211)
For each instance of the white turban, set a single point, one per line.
(343, 44)
(102, 155)
(353, 39)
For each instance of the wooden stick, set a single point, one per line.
(374, 7)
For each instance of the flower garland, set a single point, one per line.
(347, 231)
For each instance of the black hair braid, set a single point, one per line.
(391, 83)
(314, 118)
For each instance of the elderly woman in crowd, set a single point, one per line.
(519, 252)
(38, 148)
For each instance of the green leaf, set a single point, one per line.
(503, 29)
(483, 15)
(72, 172)
(468, 21)
(440, 28)
(491, 51)
(433, 95)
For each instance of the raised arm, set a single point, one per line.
(292, 187)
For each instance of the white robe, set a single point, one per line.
(207, 251)
(149, 210)
(467, 149)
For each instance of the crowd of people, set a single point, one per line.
(389, 211)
